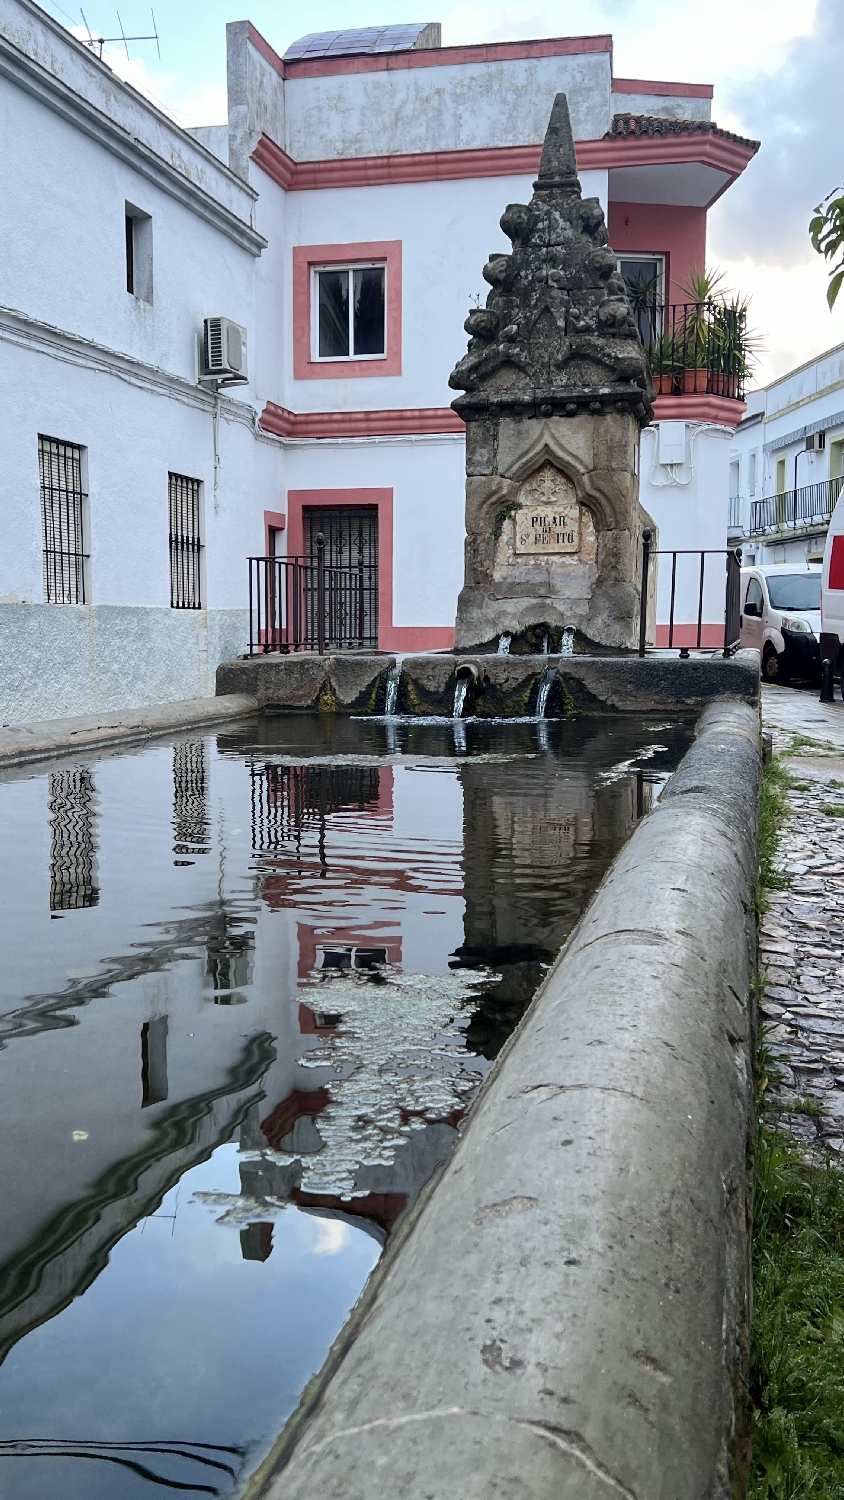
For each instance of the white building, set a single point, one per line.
(133, 494)
(787, 462)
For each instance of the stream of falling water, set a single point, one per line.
(393, 680)
(542, 695)
(460, 689)
(504, 644)
(567, 643)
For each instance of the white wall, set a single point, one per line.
(689, 506)
(456, 108)
(447, 230)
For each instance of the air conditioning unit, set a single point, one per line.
(223, 352)
(816, 442)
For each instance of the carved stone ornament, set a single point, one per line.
(557, 336)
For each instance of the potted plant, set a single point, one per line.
(733, 346)
(663, 363)
(695, 336)
(643, 294)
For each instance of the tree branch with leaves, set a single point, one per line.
(826, 229)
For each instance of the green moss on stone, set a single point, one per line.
(327, 700)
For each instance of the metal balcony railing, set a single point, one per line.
(811, 505)
(306, 604)
(734, 513)
(694, 348)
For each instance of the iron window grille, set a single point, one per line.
(62, 521)
(349, 312)
(185, 543)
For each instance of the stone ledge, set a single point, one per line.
(566, 1311)
(50, 737)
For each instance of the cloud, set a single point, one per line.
(199, 104)
(332, 1237)
(795, 111)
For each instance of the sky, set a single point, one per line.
(776, 65)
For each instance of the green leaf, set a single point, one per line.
(834, 287)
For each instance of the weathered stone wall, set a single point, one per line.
(584, 467)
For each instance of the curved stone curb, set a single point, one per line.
(50, 737)
(567, 1316)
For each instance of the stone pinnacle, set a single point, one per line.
(558, 164)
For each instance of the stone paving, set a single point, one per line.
(802, 933)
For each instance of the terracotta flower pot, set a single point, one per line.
(663, 384)
(695, 382)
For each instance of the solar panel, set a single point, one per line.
(364, 40)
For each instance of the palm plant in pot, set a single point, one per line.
(695, 336)
(664, 363)
(733, 346)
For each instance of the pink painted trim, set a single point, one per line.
(306, 256)
(274, 520)
(719, 409)
(318, 424)
(390, 637)
(496, 161)
(686, 635)
(429, 57)
(666, 90)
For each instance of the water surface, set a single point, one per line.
(252, 982)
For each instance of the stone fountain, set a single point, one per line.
(556, 388)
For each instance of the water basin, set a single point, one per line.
(253, 981)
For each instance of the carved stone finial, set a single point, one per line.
(557, 330)
(558, 164)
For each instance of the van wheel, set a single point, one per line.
(772, 668)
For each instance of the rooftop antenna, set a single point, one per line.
(98, 42)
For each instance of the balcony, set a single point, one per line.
(734, 514)
(694, 348)
(795, 510)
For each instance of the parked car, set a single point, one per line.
(832, 595)
(781, 617)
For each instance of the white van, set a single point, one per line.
(781, 618)
(832, 595)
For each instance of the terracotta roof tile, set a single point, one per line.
(638, 125)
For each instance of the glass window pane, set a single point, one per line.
(369, 310)
(333, 314)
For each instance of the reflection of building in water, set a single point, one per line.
(287, 800)
(154, 1061)
(230, 948)
(190, 790)
(536, 846)
(72, 804)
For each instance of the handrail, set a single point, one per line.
(732, 595)
(302, 603)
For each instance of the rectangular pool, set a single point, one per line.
(252, 982)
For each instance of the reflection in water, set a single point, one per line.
(72, 801)
(376, 907)
(190, 815)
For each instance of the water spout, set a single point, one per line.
(546, 644)
(567, 643)
(504, 643)
(460, 689)
(393, 680)
(542, 695)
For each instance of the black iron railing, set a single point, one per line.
(732, 597)
(694, 348)
(306, 604)
(812, 504)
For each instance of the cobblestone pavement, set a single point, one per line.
(802, 934)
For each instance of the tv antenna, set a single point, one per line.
(98, 42)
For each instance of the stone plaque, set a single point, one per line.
(548, 521)
(544, 529)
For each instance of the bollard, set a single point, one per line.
(826, 681)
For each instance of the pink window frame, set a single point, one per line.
(305, 257)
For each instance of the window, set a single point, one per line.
(185, 542)
(349, 304)
(63, 520)
(644, 277)
(754, 599)
(734, 479)
(780, 489)
(751, 476)
(795, 591)
(836, 458)
(138, 230)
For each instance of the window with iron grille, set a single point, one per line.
(60, 469)
(185, 542)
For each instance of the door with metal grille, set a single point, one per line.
(350, 558)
